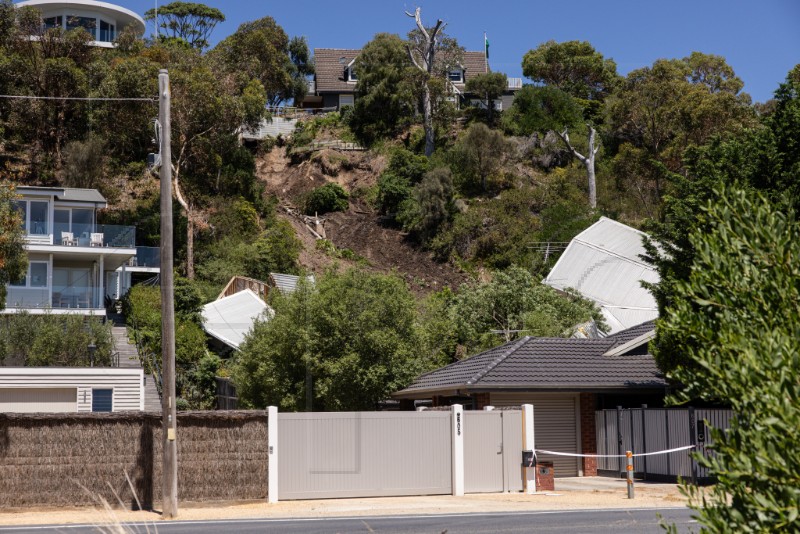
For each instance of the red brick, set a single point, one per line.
(588, 406)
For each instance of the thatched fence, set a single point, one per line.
(71, 459)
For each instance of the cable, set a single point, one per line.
(106, 99)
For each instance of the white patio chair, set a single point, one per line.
(68, 239)
(96, 240)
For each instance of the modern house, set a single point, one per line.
(71, 389)
(102, 20)
(603, 263)
(566, 380)
(74, 264)
(334, 83)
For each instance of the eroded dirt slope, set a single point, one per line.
(359, 229)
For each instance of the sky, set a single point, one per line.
(759, 39)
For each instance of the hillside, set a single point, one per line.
(360, 229)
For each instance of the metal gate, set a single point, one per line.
(364, 454)
(492, 451)
(655, 429)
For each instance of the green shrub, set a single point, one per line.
(327, 198)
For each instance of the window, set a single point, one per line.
(35, 276)
(346, 100)
(456, 76)
(87, 23)
(106, 31)
(351, 74)
(102, 400)
(34, 216)
(53, 22)
(79, 221)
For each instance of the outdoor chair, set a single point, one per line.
(96, 240)
(68, 239)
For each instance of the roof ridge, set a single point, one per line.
(494, 363)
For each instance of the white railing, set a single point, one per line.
(514, 83)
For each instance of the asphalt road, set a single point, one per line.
(573, 522)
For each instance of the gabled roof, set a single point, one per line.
(230, 318)
(602, 263)
(543, 364)
(330, 64)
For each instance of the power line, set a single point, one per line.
(88, 98)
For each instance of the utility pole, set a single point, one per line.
(169, 488)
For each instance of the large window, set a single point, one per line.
(107, 31)
(87, 23)
(34, 216)
(36, 275)
(102, 400)
(53, 22)
(79, 221)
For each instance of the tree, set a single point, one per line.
(261, 50)
(765, 159)
(587, 160)
(575, 67)
(735, 319)
(513, 303)
(187, 21)
(13, 258)
(384, 99)
(425, 45)
(430, 204)
(479, 154)
(345, 345)
(490, 86)
(302, 66)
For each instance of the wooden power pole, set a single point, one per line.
(170, 445)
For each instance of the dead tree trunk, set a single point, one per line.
(588, 161)
(423, 60)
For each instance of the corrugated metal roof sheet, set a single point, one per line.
(602, 263)
(544, 364)
(287, 283)
(230, 318)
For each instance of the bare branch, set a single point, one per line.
(565, 137)
(418, 18)
(413, 59)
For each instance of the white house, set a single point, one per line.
(72, 260)
(71, 389)
(102, 20)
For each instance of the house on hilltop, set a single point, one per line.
(102, 20)
(334, 84)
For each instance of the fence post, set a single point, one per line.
(629, 469)
(528, 444)
(272, 454)
(458, 449)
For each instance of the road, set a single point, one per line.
(572, 522)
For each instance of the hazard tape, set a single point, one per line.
(677, 449)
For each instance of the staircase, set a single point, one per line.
(129, 357)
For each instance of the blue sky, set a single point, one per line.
(760, 40)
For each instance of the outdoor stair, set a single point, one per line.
(129, 357)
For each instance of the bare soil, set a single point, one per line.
(361, 229)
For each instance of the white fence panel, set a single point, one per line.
(361, 454)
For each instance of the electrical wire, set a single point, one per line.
(89, 98)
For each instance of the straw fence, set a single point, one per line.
(71, 459)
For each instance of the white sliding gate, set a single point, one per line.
(364, 454)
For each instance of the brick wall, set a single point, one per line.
(481, 400)
(588, 404)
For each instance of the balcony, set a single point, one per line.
(83, 235)
(514, 84)
(68, 298)
(146, 257)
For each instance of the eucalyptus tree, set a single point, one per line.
(189, 22)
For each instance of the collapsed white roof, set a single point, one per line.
(602, 263)
(230, 318)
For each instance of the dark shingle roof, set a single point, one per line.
(330, 70)
(330, 67)
(629, 334)
(544, 364)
